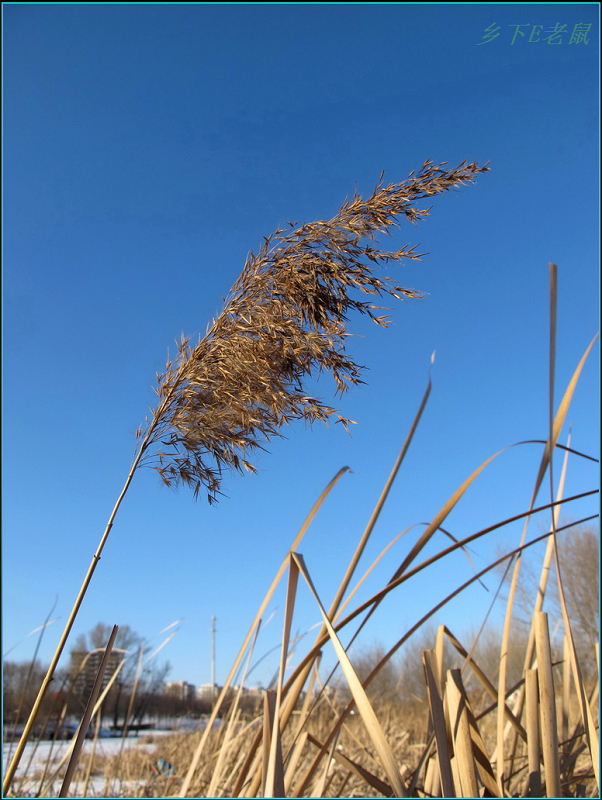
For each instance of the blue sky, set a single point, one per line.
(147, 149)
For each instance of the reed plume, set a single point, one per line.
(284, 320)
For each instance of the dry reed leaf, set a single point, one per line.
(297, 677)
(428, 533)
(432, 781)
(362, 703)
(480, 756)
(533, 781)
(457, 702)
(556, 424)
(274, 782)
(308, 706)
(253, 628)
(336, 609)
(326, 777)
(543, 582)
(484, 680)
(547, 702)
(357, 769)
(293, 762)
(228, 742)
(87, 717)
(429, 660)
(233, 731)
(591, 734)
(341, 624)
(273, 769)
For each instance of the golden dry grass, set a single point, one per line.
(474, 736)
(284, 320)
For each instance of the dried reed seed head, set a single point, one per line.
(284, 319)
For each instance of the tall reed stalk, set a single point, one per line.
(283, 321)
(312, 746)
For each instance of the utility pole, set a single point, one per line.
(213, 654)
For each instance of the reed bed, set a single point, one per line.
(284, 320)
(474, 736)
(317, 738)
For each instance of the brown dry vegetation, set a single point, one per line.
(284, 320)
(363, 734)
(479, 729)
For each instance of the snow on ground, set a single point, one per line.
(38, 754)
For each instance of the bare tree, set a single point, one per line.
(20, 681)
(130, 644)
(579, 556)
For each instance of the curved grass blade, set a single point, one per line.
(556, 424)
(297, 540)
(364, 707)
